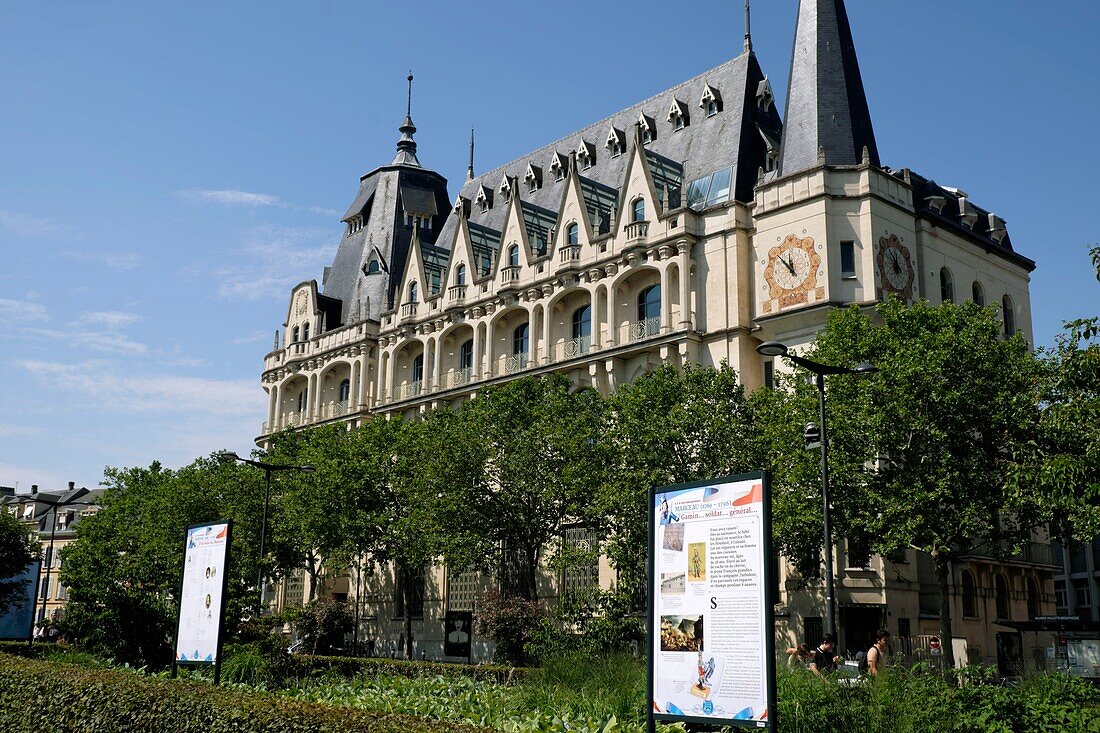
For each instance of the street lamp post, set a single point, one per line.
(820, 371)
(54, 506)
(268, 469)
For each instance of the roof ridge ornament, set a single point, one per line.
(748, 29)
(406, 146)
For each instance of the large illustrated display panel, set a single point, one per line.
(201, 600)
(711, 619)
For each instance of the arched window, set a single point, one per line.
(460, 275)
(947, 286)
(638, 208)
(305, 331)
(572, 234)
(303, 399)
(345, 390)
(418, 368)
(513, 256)
(969, 595)
(413, 292)
(1000, 592)
(373, 268)
(1009, 315)
(712, 108)
(1033, 599)
(466, 354)
(296, 335)
(582, 322)
(978, 293)
(520, 339)
(649, 303)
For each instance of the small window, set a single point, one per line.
(582, 322)
(978, 293)
(649, 303)
(859, 552)
(426, 222)
(1033, 599)
(969, 595)
(373, 268)
(466, 354)
(638, 208)
(460, 275)
(418, 368)
(297, 335)
(413, 292)
(947, 286)
(848, 259)
(769, 374)
(712, 108)
(303, 399)
(520, 339)
(1009, 315)
(345, 390)
(678, 123)
(408, 219)
(513, 256)
(647, 135)
(305, 331)
(572, 234)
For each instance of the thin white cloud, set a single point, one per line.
(121, 261)
(323, 211)
(230, 197)
(31, 227)
(10, 429)
(111, 320)
(254, 338)
(115, 387)
(22, 313)
(274, 259)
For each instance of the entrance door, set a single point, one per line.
(1010, 658)
(858, 626)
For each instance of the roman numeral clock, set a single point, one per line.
(791, 274)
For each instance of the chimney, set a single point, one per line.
(72, 485)
(34, 489)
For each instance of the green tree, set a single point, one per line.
(123, 570)
(18, 548)
(542, 451)
(940, 424)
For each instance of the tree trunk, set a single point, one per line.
(530, 573)
(943, 575)
(407, 595)
(312, 567)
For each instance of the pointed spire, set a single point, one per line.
(748, 28)
(826, 104)
(406, 146)
(470, 167)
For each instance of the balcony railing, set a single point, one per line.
(509, 274)
(408, 390)
(573, 348)
(511, 364)
(648, 328)
(570, 253)
(637, 230)
(458, 378)
(456, 293)
(409, 309)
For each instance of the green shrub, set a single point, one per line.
(510, 623)
(37, 696)
(301, 666)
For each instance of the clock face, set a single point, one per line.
(791, 272)
(895, 267)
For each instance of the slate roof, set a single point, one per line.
(728, 139)
(826, 103)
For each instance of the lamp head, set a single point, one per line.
(865, 368)
(772, 348)
(228, 456)
(307, 468)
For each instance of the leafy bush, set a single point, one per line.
(323, 623)
(36, 695)
(510, 622)
(302, 666)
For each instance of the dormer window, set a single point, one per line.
(638, 209)
(678, 115)
(967, 213)
(373, 268)
(616, 142)
(413, 292)
(484, 198)
(505, 187)
(533, 178)
(425, 222)
(765, 97)
(648, 129)
(460, 275)
(572, 234)
(711, 100)
(586, 155)
(513, 256)
(557, 166)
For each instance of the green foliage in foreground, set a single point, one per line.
(37, 696)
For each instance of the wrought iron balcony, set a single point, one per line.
(645, 329)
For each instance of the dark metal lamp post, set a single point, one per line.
(817, 437)
(268, 469)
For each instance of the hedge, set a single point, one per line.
(37, 696)
(303, 665)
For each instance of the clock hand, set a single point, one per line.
(788, 265)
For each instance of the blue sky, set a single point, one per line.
(168, 171)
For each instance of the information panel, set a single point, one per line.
(200, 619)
(712, 654)
(18, 621)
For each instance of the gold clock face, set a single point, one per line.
(894, 266)
(791, 270)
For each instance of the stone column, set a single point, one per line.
(684, 248)
(666, 301)
(547, 343)
(364, 380)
